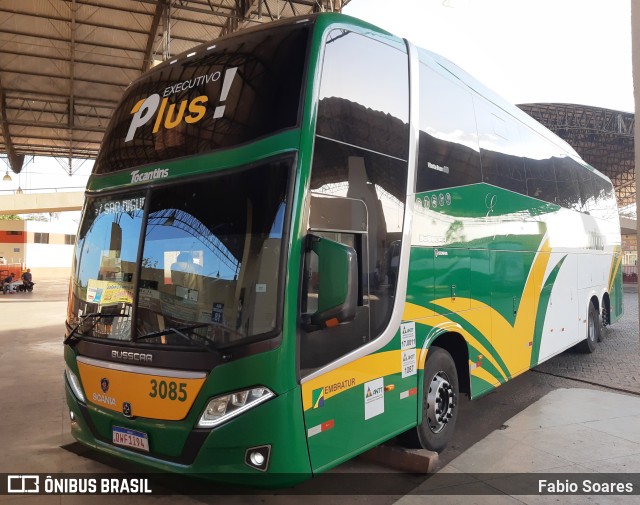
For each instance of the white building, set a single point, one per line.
(44, 247)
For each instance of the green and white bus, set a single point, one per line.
(310, 237)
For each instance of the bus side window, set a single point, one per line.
(538, 163)
(360, 153)
(605, 201)
(586, 183)
(448, 154)
(500, 148)
(360, 103)
(567, 181)
(341, 171)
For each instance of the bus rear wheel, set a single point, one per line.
(588, 345)
(439, 401)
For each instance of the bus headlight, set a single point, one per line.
(222, 408)
(74, 382)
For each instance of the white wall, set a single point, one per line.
(53, 259)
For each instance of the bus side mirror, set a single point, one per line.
(337, 283)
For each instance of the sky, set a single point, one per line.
(563, 51)
(42, 174)
(567, 51)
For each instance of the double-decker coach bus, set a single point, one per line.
(309, 237)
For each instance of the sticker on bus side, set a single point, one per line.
(408, 363)
(408, 348)
(374, 398)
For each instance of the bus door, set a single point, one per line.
(337, 220)
(351, 369)
(366, 395)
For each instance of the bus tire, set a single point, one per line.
(439, 400)
(604, 320)
(588, 345)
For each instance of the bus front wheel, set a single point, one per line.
(439, 400)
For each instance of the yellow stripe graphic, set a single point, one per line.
(483, 374)
(352, 374)
(615, 266)
(511, 343)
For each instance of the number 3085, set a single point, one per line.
(171, 390)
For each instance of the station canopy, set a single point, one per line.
(602, 137)
(64, 64)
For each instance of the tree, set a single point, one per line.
(38, 217)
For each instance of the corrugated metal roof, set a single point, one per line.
(65, 63)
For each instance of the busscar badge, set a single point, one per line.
(104, 384)
(126, 409)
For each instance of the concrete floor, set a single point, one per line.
(566, 431)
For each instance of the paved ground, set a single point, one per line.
(570, 435)
(34, 426)
(615, 363)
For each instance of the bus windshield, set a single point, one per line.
(220, 95)
(209, 265)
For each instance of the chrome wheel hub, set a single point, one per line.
(440, 402)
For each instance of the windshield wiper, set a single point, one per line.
(93, 315)
(210, 346)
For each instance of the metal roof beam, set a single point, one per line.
(43, 150)
(91, 101)
(146, 13)
(72, 71)
(68, 41)
(86, 145)
(260, 2)
(52, 137)
(66, 59)
(147, 61)
(49, 17)
(54, 76)
(203, 11)
(44, 110)
(207, 5)
(57, 126)
(15, 160)
(242, 7)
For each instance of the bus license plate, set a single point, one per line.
(130, 438)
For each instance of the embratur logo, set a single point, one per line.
(317, 398)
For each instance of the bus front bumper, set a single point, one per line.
(222, 454)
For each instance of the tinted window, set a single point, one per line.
(605, 200)
(210, 263)
(342, 171)
(105, 262)
(448, 151)
(40, 238)
(588, 189)
(363, 101)
(240, 89)
(500, 148)
(538, 164)
(567, 175)
(212, 255)
(359, 162)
